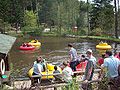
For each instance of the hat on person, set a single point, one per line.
(89, 50)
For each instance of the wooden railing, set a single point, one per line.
(76, 72)
(54, 85)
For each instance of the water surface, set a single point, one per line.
(53, 49)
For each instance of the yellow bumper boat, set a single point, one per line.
(103, 46)
(47, 73)
(35, 43)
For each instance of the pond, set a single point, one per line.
(53, 49)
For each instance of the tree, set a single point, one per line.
(82, 15)
(116, 19)
(102, 16)
(63, 13)
(30, 19)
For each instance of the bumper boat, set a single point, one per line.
(103, 46)
(26, 47)
(81, 66)
(46, 74)
(35, 43)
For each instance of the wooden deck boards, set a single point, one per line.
(27, 84)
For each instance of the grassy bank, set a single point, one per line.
(102, 38)
(97, 38)
(106, 38)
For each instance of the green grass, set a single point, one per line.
(100, 38)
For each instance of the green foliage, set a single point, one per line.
(82, 32)
(81, 21)
(96, 32)
(102, 15)
(11, 11)
(30, 19)
(62, 13)
(31, 28)
(103, 85)
(71, 86)
(34, 31)
(5, 9)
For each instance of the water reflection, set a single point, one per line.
(54, 49)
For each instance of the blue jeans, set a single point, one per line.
(73, 65)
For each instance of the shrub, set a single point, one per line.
(33, 31)
(96, 32)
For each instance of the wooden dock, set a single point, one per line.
(26, 84)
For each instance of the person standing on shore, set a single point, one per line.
(110, 70)
(89, 70)
(91, 64)
(72, 57)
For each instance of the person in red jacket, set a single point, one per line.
(101, 60)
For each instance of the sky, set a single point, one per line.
(85, 0)
(91, 0)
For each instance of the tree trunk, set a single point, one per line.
(116, 20)
(88, 24)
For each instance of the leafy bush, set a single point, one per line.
(82, 32)
(96, 32)
(34, 31)
(30, 19)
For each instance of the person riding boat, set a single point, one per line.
(42, 62)
(38, 68)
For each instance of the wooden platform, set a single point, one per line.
(49, 85)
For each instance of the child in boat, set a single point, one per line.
(56, 77)
(24, 44)
(28, 45)
(35, 40)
